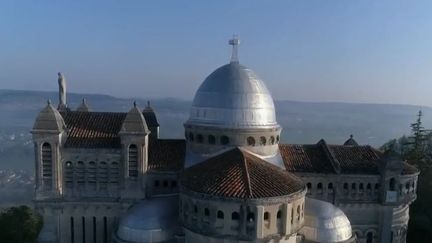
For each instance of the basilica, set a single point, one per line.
(107, 177)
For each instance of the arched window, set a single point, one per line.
(353, 186)
(211, 139)
(156, 183)
(277, 138)
(195, 209)
(114, 173)
(235, 216)
(103, 175)
(267, 219)
(279, 214)
(369, 237)
(361, 188)
(320, 187)
(309, 185)
(345, 187)
(200, 138)
(165, 183)
(80, 173)
(46, 165)
(224, 140)
(263, 140)
(330, 187)
(369, 187)
(191, 137)
(206, 212)
(392, 184)
(292, 215)
(91, 175)
(407, 187)
(272, 140)
(220, 215)
(298, 213)
(69, 174)
(251, 141)
(133, 161)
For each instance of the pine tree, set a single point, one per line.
(415, 146)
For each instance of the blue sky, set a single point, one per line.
(350, 51)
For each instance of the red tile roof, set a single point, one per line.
(93, 129)
(239, 174)
(166, 154)
(328, 159)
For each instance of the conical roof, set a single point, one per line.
(135, 122)
(239, 174)
(49, 119)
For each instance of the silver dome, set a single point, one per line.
(324, 222)
(233, 97)
(152, 220)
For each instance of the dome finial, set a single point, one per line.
(235, 42)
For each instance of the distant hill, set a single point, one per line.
(302, 122)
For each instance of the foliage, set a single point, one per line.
(20, 224)
(417, 150)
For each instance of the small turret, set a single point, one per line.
(49, 120)
(83, 107)
(351, 141)
(135, 122)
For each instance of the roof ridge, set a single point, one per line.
(246, 174)
(330, 155)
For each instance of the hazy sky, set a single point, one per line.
(352, 51)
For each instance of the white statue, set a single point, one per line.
(62, 90)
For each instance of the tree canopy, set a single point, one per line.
(19, 224)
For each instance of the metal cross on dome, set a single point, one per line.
(235, 42)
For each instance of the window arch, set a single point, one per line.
(69, 174)
(114, 173)
(319, 187)
(272, 140)
(91, 175)
(80, 173)
(206, 212)
(200, 138)
(103, 175)
(235, 216)
(211, 139)
(279, 214)
(330, 187)
(251, 141)
(263, 140)
(220, 215)
(298, 213)
(277, 138)
(46, 165)
(133, 161)
(224, 140)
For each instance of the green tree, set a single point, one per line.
(19, 224)
(416, 144)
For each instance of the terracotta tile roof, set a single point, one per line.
(323, 158)
(356, 159)
(93, 129)
(166, 154)
(150, 117)
(305, 158)
(239, 174)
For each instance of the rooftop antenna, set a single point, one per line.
(235, 42)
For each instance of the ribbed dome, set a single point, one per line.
(233, 97)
